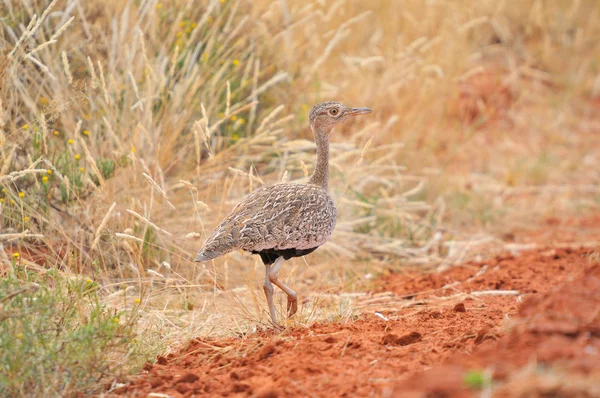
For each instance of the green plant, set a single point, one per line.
(57, 337)
(475, 379)
(106, 168)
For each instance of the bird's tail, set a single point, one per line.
(201, 257)
(216, 245)
(204, 255)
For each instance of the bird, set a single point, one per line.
(285, 220)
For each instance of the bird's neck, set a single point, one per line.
(320, 176)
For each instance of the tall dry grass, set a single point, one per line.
(128, 129)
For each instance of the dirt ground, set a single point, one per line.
(524, 325)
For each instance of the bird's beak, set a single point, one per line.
(359, 111)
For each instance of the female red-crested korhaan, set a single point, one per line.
(285, 220)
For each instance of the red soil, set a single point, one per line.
(560, 328)
(426, 349)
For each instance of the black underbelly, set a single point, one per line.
(269, 256)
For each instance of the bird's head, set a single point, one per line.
(327, 115)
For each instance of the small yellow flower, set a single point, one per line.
(188, 30)
(21, 194)
(194, 25)
(159, 6)
(77, 156)
(82, 169)
(235, 137)
(88, 280)
(25, 218)
(1, 200)
(86, 133)
(4, 190)
(179, 34)
(45, 179)
(242, 121)
(116, 319)
(235, 62)
(233, 118)
(19, 336)
(16, 254)
(36, 128)
(221, 115)
(25, 126)
(209, 19)
(49, 171)
(43, 100)
(222, 1)
(133, 149)
(12, 202)
(70, 141)
(181, 24)
(137, 301)
(178, 42)
(56, 133)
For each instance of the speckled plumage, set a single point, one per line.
(281, 216)
(284, 220)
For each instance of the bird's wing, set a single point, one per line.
(280, 216)
(288, 216)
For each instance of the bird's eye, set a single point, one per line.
(333, 112)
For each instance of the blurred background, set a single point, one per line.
(129, 129)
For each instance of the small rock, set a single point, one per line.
(161, 360)
(460, 307)
(187, 378)
(267, 351)
(182, 388)
(411, 338)
(240, 387)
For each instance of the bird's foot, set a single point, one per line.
(277, 328)
(292, 306)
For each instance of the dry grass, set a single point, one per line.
(167, 113)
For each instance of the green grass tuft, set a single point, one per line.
(57, 337)
(475, 379)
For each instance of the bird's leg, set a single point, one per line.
(268, 288)
(292, 297)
